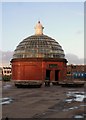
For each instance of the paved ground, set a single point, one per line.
(44, 102)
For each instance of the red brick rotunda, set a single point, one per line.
(38, 58)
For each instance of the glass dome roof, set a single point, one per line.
(39, 46)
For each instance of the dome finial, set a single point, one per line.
(38, 21)
(39, 28)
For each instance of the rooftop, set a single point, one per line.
(39, 46)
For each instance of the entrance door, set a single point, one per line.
(47, 75)
(56, 75)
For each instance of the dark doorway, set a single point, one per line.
(47, 75)
(56, 75)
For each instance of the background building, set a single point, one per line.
(76, 71)
(0, 73)
(6, 71)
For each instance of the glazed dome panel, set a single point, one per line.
(39, 46)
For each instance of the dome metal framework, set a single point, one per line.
(39, 46)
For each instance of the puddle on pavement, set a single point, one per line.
(69, 100)
(70, 108)
(83, 105)
(7, 86)
(75, 96)
(79, 116)
(66, 104)
(4, 101)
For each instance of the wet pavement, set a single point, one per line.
(4, 101)
(44, 102)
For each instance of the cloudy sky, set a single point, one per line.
(63, 21)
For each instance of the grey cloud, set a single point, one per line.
(6, 56)
(73, 59)
(79, 32)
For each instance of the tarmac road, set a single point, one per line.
(44, 102)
